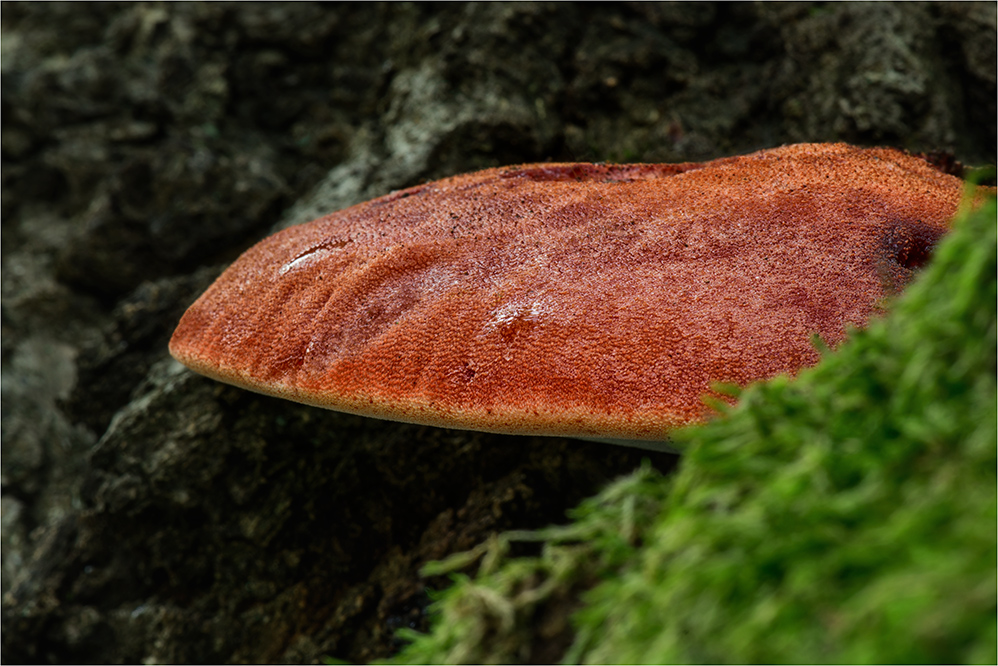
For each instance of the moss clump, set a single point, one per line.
(848, 515)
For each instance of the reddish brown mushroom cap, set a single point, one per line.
(572, 299)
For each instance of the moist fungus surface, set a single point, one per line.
(572, 299)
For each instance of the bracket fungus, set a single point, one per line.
(583, 300)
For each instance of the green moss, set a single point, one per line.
(846, 516)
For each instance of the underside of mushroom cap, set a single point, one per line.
(581, 300)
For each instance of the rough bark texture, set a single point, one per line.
(152, 515)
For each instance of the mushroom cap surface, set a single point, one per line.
(582, 300)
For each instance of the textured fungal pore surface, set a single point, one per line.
(572, 299)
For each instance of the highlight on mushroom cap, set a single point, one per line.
(584, 300)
